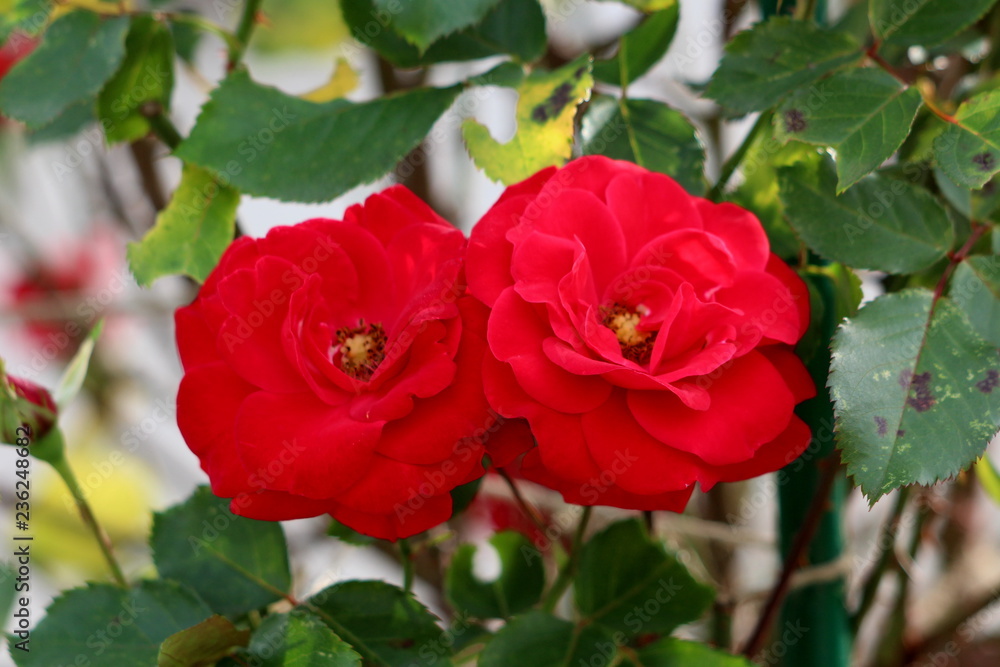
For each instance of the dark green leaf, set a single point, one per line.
(857, 227)
(191, 233)
(641, 48)
(915, 391)
(679, 653)
(976, 290)
(923, 22)
(186, 39)
(973, 204)
(109, 625)
(382, 623)
(969, 150)
(235, 564)
(772, 59)
(516, 27)
(538, 639)
(463, 495)
(423, 22)
(865, 114)
(146, 76)
(274, 145)
(518, 586)
(349, 535)
(78, 55)
(628, 582)
(546, 109)
(646, 132)
(299, 639)
(202, 644)
(70, 122)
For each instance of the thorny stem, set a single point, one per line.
(794, 559)
(522, 503)
(886, 541)
(248, 21)
(929, 100)
(161, 126)
(406, 556)
(568, 570)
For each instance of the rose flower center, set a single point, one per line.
(360, 350)
(636, 345)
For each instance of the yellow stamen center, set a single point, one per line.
(360, 349)
(636, 344)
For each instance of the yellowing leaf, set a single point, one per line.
(546, 109)
(343, 80)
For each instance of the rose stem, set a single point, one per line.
(526, 507)
(794, 558)
(61, 466)
(887, 540)
(406, 557)
(733, 163)
(568, 570)
(248, 21)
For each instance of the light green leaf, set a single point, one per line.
(112, 625)
(538, 639)
(202, 644)
(515, 27)
(266, 143)
(641, 48)
(646, 132)
(191, 233)
(857, 227)
(649, 5)
(146, 76)
(235, 564)
(384, 624)
(989, 477)
(865, 114)
(677, 653)
(969, 149)
(769, 61)
(79, 53)
(923, 22)
(74, 375)
(915, 392)
(546, 110)
(518, 586)
(299, 639)
(975, 289)
(27, 17)
(423, 22)
(621, 569)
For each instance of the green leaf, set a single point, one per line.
(347, 534)
(235, 564)
(969, 149)
(923, 22)
(8, 594)
(78, 55)
(191, 233)
(423, 22)
(915, 392)
(299, 639)
(28, 17)
(74, 375)
(538, 639)
(628, 582)
(70, 122)
(858, 227)
(866, 114)
(383, 623)
(267, 143)
(641, 48)
(112, 625)
(515, 27)
(646, 132)
(202, 644)
(517, 588)
(989, 477)
(146, 76)
(546, 109)
(973, 204)
(975, 289)
(772, 59)
(678, 653)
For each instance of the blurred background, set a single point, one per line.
(69, 205)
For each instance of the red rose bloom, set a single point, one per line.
(644, 333)
(335, 367)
